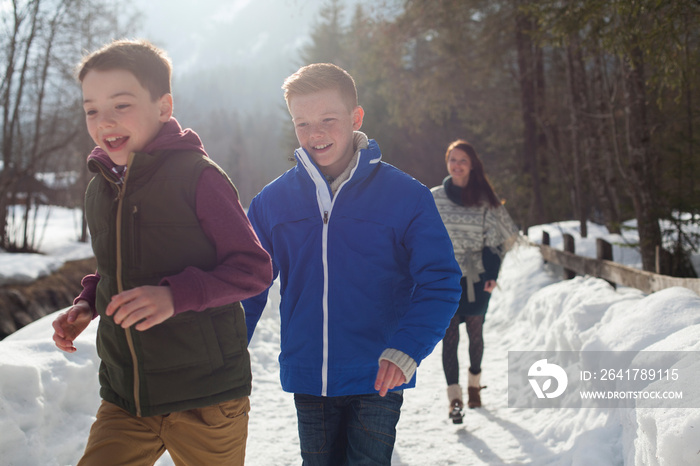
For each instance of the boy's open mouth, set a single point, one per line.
(115, 142)
(321, 146)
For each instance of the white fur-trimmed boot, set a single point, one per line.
(454, 395)
(473, 388)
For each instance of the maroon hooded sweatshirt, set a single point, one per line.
(244, 268)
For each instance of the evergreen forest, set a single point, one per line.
(585, 110)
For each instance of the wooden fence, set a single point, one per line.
(603, 267)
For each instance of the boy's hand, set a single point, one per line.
(388, 377)
(489, 286)
(68, 325)
(147, 305)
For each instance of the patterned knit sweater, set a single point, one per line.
(472, 228)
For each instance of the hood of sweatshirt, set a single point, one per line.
(170, 137)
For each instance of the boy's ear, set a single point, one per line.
(166, 107)
(357, 115)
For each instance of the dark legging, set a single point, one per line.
(450, 362)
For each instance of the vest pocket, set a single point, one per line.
(189, 357)
(216, 359)
(203, 339)
(135, 239)
(179, 342)
(229, 327)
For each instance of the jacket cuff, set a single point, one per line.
(404, 362)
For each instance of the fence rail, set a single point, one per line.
(603, 267)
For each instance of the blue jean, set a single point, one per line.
(348, 430)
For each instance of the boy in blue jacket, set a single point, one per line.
(367, 274)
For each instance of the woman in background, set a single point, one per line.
(481, 232)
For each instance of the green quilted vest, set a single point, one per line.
(142, 231)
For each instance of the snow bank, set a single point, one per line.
(587, 314)
(48, 398)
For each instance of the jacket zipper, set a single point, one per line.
(120, 283)
(327, 209)
(326, 206)
(324, 252)
(324, 257)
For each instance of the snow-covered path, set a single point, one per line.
(48, 398)
(532, 310)
(425, 435)
(490, 435)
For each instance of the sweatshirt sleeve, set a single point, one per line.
(244, 267)
(89, 292)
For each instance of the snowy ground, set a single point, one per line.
(57, 230)
(48, 398)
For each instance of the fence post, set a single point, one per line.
(604, 252)
(545, 240)
(569, 246)
(657, 259)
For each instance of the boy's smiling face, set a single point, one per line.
(324, 127)
(120, 114)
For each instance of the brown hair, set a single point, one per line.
(320, 77)
(478, 187)
(150, 65)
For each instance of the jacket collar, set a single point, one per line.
(367, 155)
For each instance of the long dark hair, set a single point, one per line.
(478, 188)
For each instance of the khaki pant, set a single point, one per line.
(214, 435)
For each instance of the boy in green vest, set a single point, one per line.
(175, 256)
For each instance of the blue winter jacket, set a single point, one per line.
(369, 269)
